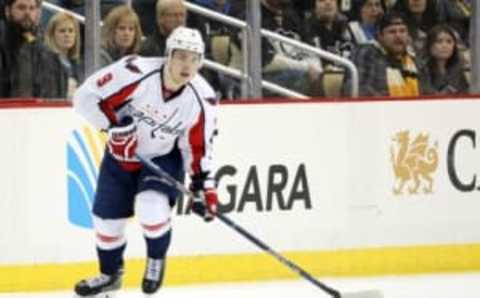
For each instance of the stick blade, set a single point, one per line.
(363, 294)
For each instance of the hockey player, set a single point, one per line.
(162, 109)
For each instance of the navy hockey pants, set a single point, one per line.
(116, 188)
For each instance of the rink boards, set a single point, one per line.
(361, 188)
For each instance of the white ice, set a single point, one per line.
(415, 286)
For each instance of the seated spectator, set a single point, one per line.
(365, 15)
(121, 34)
(385, 67)
(63, 37)
(282, 64)
(421, 15)
(170, 14)
(327, 29)
(27, 67)
(443, 71)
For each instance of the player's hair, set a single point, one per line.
(53, 23)
(111, 21)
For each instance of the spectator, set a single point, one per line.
(443, 71)
(63, 37)
(385, 67)
(121, 34)
(170, 14)
(27, 67)
(327, 29)
(282, 64)
(365, 15)
(420, 15)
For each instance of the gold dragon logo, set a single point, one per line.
(413, 162)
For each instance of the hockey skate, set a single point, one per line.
(153, 276)
(103, 286)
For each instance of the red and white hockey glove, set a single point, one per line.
(122, 144)
(205, 200)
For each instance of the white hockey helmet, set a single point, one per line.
(184, 38)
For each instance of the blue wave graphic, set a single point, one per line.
(82, 173)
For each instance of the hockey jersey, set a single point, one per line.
(133, 86)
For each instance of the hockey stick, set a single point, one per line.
(167, 179)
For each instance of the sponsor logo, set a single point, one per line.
(285, 189)
(463, 139)
(84, 153)
(414, 163)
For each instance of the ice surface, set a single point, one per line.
(416, 286)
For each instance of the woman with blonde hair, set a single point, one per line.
(121, 34)
(63, 38)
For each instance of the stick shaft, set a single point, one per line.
(166, 178)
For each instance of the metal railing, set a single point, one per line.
(267, 85)
(55, 8)
(243, 74)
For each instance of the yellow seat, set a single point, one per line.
(332, 83)
(220, 45)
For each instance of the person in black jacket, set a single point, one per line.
(27, 67)
(283, 64)
(327, 29)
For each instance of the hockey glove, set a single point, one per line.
(205, 200)
(122, 143)
(204, 203)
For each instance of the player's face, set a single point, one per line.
(124, 34)
(183, 66)
(64, 35)
(394, 39)
(371, 12)
(24, 13)
(443, 46)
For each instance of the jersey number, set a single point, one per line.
(104, 80)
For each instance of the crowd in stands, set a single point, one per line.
(400, 47)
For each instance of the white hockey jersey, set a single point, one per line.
(133, 86)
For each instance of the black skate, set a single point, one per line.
(103, 286)
(153, 276)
